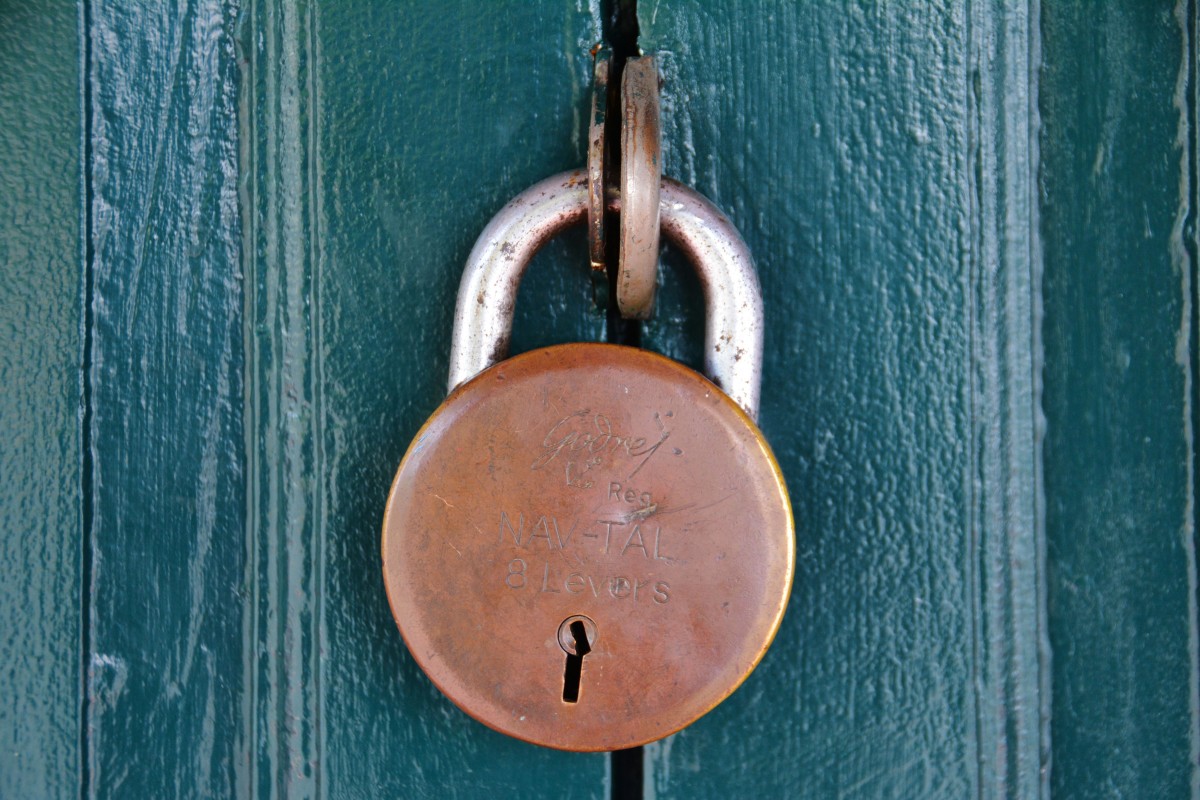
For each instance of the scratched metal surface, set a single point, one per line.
(40, 396)
(877, 160)
(1119, 230)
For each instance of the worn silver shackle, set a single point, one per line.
(733, 336)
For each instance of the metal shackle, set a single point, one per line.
(733, 335)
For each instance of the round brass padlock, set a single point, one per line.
(587, 546)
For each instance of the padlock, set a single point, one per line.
(590, 546)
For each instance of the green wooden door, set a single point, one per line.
(231, 235)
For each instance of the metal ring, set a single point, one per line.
(733, 334)
(595, 162)
(641, 173)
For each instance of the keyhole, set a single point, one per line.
(576, 639)
(574, 669)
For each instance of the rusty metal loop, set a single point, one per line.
(733, 336)
(595, 162)
(641, 174)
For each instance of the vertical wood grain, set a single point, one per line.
(41, 345)
(378, 141)
(283, 412)
(880, 162)
(165, 680)
(257, 267)
(1119, 185)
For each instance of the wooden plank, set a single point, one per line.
(41, 346)
(1118, 101)
(165, 686)
(878, 161)
(378, 143)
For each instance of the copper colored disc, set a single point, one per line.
(595, 486)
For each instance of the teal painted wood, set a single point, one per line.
(879, 162)
(166, 688)
(378, 141)
(1119, 144)
(252, 387)
(40, 351)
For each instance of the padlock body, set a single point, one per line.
(598, 482)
